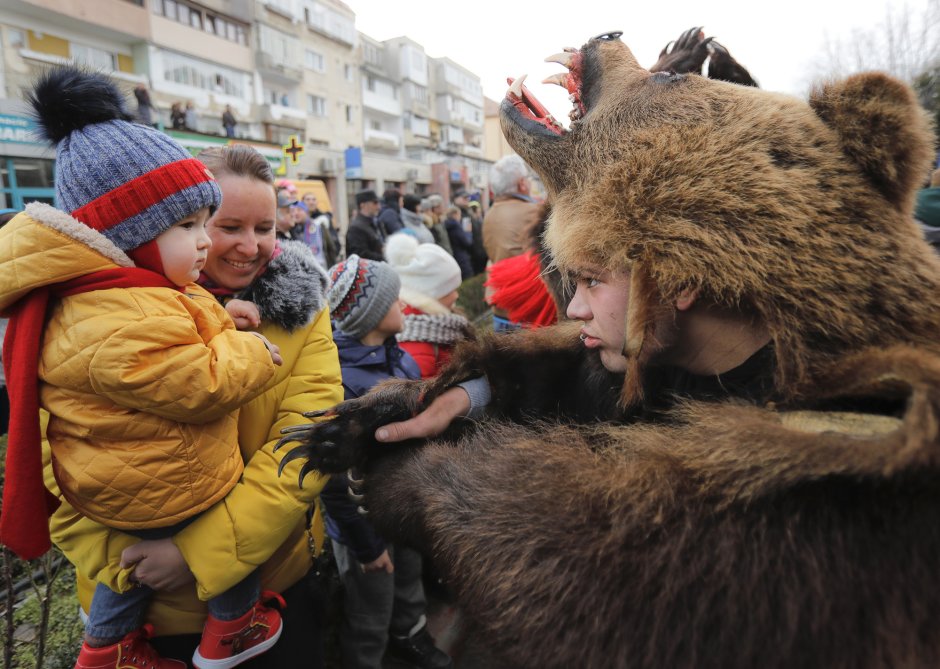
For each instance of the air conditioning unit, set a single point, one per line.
(328, 165)
(411, 175)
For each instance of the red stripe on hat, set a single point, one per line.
(133, 197)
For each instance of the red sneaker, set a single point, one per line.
(228, 643)
(131, 652)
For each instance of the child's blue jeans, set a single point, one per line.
(114, 614)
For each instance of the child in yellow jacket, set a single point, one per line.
(141, 370)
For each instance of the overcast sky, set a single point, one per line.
(780, 43)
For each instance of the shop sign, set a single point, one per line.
(353, 157)
(19, 129)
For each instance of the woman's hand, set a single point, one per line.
(430, 422)
(157, 564)
(244, 313)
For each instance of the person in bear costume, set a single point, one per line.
(633, 509)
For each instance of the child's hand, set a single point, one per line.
(273, 349)
(244, 313)
(381, 563)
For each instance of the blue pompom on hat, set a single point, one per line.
(361, 293)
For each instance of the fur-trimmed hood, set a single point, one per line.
(44, 246)
(292, 290)
(798, 213)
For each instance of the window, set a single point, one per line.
(98, 59)
(418, 93)
(371, 54)
(200, 19)
(316, 105)
(375, 125)
(329, 21)
(349, 72)
(420, 126)
(314, 61)
(200, 74)
(283, 48)
(16, 37)
(349, 114)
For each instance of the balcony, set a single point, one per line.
(275, 69)
(417, 140)
(381, 103)
(284, 116)
(379, 139)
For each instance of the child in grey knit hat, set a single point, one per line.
(142, 372)
(384, 594)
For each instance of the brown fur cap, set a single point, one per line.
(799, 213)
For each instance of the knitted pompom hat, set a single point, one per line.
(423, 268)
(128, 181)
(361, 292)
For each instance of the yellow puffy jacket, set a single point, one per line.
(143, 384)
(262, 522)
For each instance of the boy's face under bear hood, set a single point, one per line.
(799, 213)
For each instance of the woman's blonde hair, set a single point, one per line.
(239, 160)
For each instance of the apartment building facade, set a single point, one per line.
(368, 113)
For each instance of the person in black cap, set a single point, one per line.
(365, 236)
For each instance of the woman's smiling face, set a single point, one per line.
(242, 231)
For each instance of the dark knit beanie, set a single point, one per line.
(361, 292)
(128, 181)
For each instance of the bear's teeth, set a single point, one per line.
(566, 59)
(516, 86)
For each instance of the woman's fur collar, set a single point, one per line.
(292, 290)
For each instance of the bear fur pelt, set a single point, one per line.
(592, 519)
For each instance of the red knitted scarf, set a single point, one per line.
(27, 504)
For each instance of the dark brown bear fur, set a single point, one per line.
(579, 531)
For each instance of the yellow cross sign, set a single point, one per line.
(293, 150)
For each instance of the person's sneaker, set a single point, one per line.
(131, 652)
(419, 650)
(228, 643)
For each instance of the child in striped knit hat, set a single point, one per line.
(384, 602)
(140, 369)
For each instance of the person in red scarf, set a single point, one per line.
(429, 280)
(141, 370)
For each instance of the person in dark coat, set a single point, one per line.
(390, 216)
(461, 242)
(365, 236)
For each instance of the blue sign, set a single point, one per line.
(353, 157)
(19, 129)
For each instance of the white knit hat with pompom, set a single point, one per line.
(423, 268)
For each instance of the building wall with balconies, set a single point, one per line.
(331, 77)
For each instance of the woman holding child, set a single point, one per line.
(263, 523)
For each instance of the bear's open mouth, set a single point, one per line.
(528, 105)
